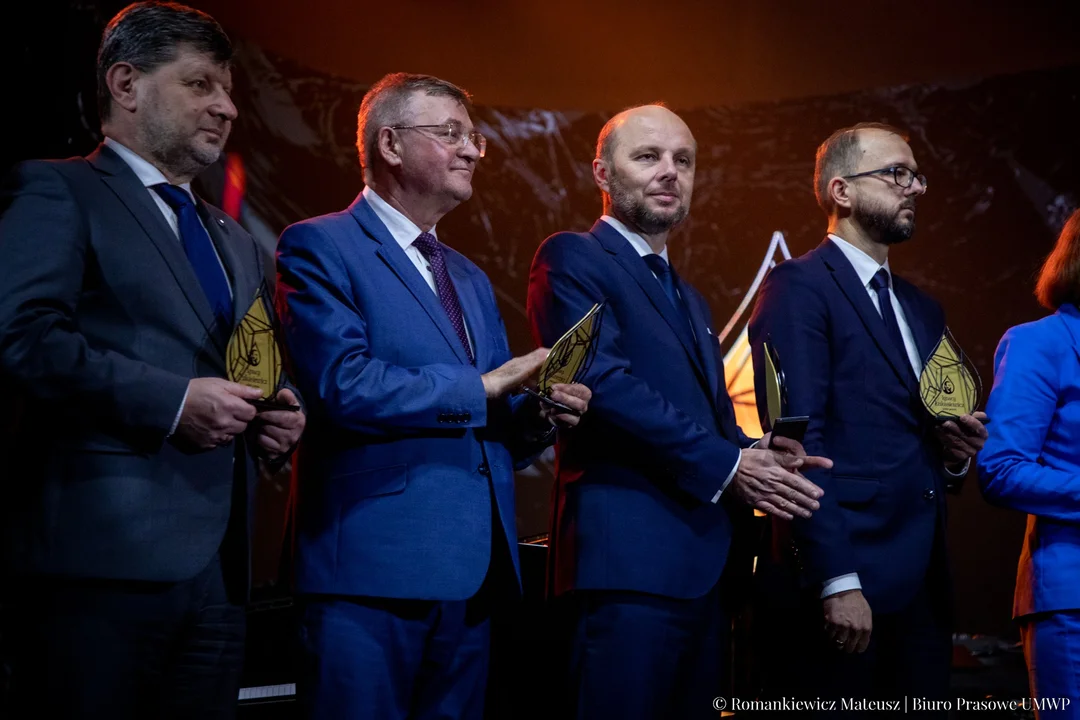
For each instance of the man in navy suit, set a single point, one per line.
(852, 338)
(405, 519)
(127, 522)
(644, 506)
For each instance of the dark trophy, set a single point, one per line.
(569, 358)
(776, 401)
(254, 356)
(949, 384)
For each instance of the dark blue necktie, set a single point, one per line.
(200, 250)
(666, 276)
(880, 284)
(429, 246)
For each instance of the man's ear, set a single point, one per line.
(121, 79)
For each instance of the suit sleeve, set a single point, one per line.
(563, 286)
(326, 335)
(1028, 389)
(47, 256)
(792, 315)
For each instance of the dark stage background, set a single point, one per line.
(1000, 154)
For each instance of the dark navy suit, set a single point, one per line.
(405, 496)
(883, 510)
(638, 543)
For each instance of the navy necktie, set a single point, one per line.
(200, 250)
(430, 247)
(666, 276)
(880, 284)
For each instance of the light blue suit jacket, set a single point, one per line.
(403, 454)
(1031, 461)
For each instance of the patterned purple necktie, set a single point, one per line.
(433, 251)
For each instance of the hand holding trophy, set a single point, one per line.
(253, 356)
(569, 359)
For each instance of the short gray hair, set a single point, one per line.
(839, 156)
(384, 105)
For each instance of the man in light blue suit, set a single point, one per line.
(405, 504)
(653, 483)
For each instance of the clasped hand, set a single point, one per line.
(769, 480)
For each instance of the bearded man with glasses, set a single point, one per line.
(406, 536)
(871, 567)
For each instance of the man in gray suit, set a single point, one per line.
(126, 527)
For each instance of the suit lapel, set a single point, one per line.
(471, 307)
(243, 293)
(704, 337)
(396, 259)
(925, 342)
(631, 262)
(122, 180)
(844, 275)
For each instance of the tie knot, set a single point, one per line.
(880, 281)
(427, 244)
(174, 195)
(657, 264)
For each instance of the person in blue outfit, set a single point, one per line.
(1031, 463)
(852, 337)
(652, 485)
(405, 523)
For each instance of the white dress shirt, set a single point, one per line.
(866, 268)
(643, 248)
(405, 232)
(149, 176)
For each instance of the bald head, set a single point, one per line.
(641, 115)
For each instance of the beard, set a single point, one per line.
(640, 216)
(173, 147)
(887, 227)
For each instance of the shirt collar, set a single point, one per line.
(635, 239)
(402, 229)
(865, 266)
(144, 170)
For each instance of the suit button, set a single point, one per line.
(483, 469)
(929, 495)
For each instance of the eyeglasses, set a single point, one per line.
(902, 176)
(450, 134)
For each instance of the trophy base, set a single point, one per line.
(563, 409)
(264, 405)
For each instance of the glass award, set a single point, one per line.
(253, 356)
(570, 358)
(776, 419)
(949, 384)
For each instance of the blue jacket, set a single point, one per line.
(403, 455)
(1031, 461)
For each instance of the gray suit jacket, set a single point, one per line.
(102, 325)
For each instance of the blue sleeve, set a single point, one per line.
(1022, 407)
(326, 337)
(563, 287)
(793, 316)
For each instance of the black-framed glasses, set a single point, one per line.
(902, 176)
(450, 134)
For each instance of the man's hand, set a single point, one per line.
(510, 375)
(277, 431)
(962, 438)
(848, 621)
(768, 480)
(215, 411)
(575, 396)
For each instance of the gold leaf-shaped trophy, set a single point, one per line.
(569, 358)
(949, 384)
(253, 356)
(776, 400)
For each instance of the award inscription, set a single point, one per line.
(949, 384)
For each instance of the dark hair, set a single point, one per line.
(384, 105)
(1059, 278)
(605, 143)
(148, 35)
(839, 156)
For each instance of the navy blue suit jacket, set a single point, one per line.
(102, 325)
(885, 494)
(636, 478)
(403, 454)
